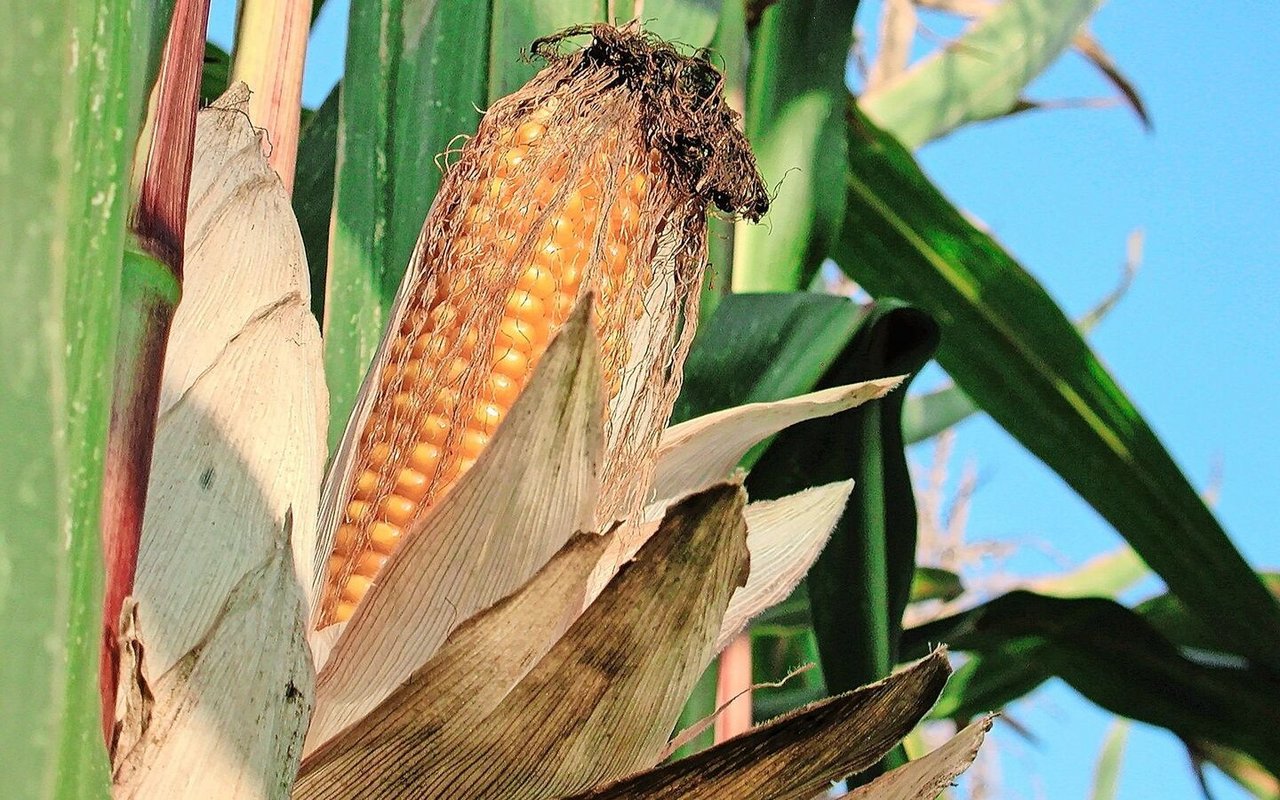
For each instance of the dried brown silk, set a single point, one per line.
(596, 175)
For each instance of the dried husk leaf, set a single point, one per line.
(237, 214)
(624, 106)
(240, 444)
(603, 701)
(927, 776)
(785, 536)
(797, 756)
(218, 609)
(227, 720)
(531, 489)
(474, 670)
(704, 450)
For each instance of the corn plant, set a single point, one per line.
(535, 531)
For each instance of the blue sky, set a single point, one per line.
(1196, 342)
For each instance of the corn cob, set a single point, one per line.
(554, 196)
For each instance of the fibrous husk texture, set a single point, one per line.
(594, 177)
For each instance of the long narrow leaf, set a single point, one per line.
(794, 115)
(62, 221)
(1013, 350)
(1119, 661)
(982, 74)
(398, 112)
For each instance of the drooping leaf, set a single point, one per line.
(784, 536)
(795, 109)
(797, 756)
(861, 584)
(474, 670)
(1010, 348)
(925, 777)
(979, 76)
(65, 175)
(706, 449)
(1118, 660)
(602, 702)
(531, 489)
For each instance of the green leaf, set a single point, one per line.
(926, 415)
(216, 75)
(516, 23)
(1120, 661)
(862, 582)
(62, 218)
(417, 73)
(795, 111)
(313, 191)
(1106, 776)
(1011, 349)
(1170, 615)
(767, 347)
(981, 75)
(932, 583)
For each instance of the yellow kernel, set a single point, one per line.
(525, 306)
(512, 159)
(425, 457)
(435, 429)
(538, 281)
(530, 132)
(411, 483)
(345, 540)
(473, 442)
(356, 588)
(503, 390)
(384, 537)
(358, 510)
(510, 362)
(366, 484)
(521, 335)
(488, 415)
(370, 563)
(344, 611)
(378, 454)
(399, 510)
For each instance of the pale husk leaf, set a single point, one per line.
(474, 670)
(227, 720)
(602, 702)
(704, 450)
(785, 536)
(928, 775)
(530, 490)
(240, 442)
(797, 756)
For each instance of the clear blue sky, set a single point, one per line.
(1196, 342)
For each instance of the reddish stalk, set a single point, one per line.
(733, 686)
(152, 277)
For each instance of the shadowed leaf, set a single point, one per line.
(602, 702)
(797, 756)
(530, 490)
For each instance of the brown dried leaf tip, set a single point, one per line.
(594, 177)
